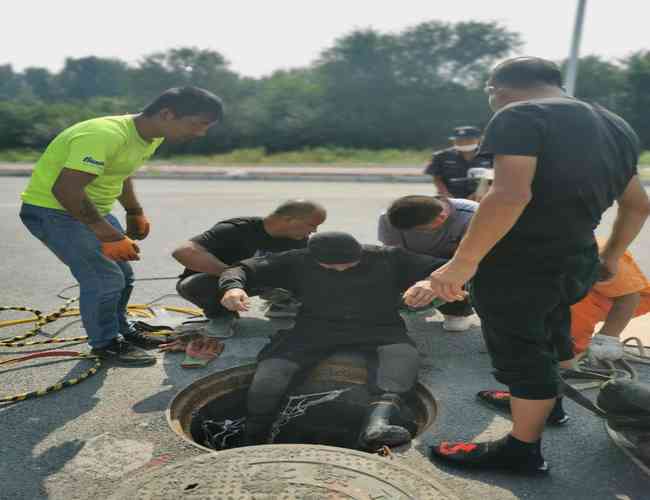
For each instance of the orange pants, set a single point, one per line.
(590, 311)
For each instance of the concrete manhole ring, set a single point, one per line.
(284, 472)
(340, 370)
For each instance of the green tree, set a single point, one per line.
(410, 88)
(182, 66)
(89, 77)
(41, 83)
(434, 52)
(288, 108)
(358, 85)
(636, 103)
(600, 81)
(33, 124)
(11, 84)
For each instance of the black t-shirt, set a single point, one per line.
(450, 165)
(236, 239)
(586, 157)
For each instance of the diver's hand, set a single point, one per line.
(419, 295)
(236, 299)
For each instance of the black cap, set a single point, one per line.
(466, 133)
(334, 247)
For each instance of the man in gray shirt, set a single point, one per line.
(432, 226)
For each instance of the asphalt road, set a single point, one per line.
(84, 441)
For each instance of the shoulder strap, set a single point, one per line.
(578, 398)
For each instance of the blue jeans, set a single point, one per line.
(105, 285)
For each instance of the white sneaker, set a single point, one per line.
(457, 323)
(605, 347)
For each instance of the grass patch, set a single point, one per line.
(645, 159)
(311, 156)
(645, 174)
(19, 155)
(644, 166)
(259, 156)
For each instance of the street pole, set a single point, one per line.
(572, 66)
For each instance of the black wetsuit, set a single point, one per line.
(353, 309)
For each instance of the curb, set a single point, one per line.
(287, 177)
(224, 175)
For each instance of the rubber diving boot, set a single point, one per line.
(377, 429)
(258, 429)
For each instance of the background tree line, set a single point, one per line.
(369, 90)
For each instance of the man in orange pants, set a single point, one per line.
(614, 302)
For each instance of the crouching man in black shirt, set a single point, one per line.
(530, 250)
(206, 256)
(350, 297)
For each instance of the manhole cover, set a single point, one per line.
(284, 472)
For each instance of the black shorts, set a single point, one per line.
(526, 317)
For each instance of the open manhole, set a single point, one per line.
(222, 396)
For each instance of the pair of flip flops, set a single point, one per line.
(199, 350)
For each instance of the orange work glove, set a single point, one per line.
(137, 224)
(124, 249)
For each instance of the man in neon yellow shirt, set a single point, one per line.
(76, 182)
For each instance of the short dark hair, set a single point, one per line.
(186, 101)
(414, 210)
(525, 72)
(298, 208)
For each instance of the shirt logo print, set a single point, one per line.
(92, 161)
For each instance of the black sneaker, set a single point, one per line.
(136, 337)
(122, 352)
(500, 400)
(558, 417)
(491, 455)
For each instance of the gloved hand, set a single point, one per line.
(137, 224)
(124, 249)
(605, 347)
(178, 345)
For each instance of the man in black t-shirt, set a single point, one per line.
(207, 255)
(450, 167)
(530, 252)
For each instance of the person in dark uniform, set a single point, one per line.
(530, 251)
(450, 167)
(350, 295)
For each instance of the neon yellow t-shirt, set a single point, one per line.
(108, 147)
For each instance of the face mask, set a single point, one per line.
(467, 149)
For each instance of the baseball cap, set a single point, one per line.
(466, 133)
